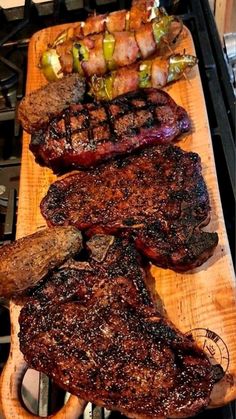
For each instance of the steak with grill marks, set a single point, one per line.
(94, 329)
(87, 134)
(157, 197)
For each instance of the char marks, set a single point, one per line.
(88, 134)
(94, 329)
(158, 198)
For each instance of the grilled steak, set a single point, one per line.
(39, 107)
(93, 328)
(87, 134)
(158, 197)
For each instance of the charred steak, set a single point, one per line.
(158, 197)
(87, 134)
(93, 328)
(40, 106)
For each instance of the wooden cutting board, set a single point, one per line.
(202, 301)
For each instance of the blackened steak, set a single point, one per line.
(158, 197)
(94, 329)
(87, 134)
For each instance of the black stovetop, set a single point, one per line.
(219, 96)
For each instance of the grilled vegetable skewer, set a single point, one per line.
(149, 73)
(106, 51)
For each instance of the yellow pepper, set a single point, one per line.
(161, 28)
(102, 87)
(80, 53)
(108, 50)
(178, 64)
(50, 65)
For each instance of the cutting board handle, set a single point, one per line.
(11, 405)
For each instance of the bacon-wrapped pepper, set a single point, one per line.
(121, 20)
(149, 73)
(106, 51)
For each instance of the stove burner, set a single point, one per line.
(9, 176)
(10, 75)
(8, 83)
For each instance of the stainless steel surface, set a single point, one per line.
(230, 46)
(230, 56)
(74, 4)
(43, 395)
(44, 7)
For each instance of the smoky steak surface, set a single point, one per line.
(157, 197)
(87, 134)
(94, 329)
(40, 106)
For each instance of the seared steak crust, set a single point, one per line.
(94, 329)
(158, 197)
(87, 134)
(40, 106)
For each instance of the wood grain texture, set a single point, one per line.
(223, 14)
(203, 299)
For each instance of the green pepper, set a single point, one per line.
(83, 52)
(108, 50)
(50, 65)
(76, 61)
(80, 53)
(109, 79)
(178, 63)
(144, 74)
(102, 87)
(161, 28)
